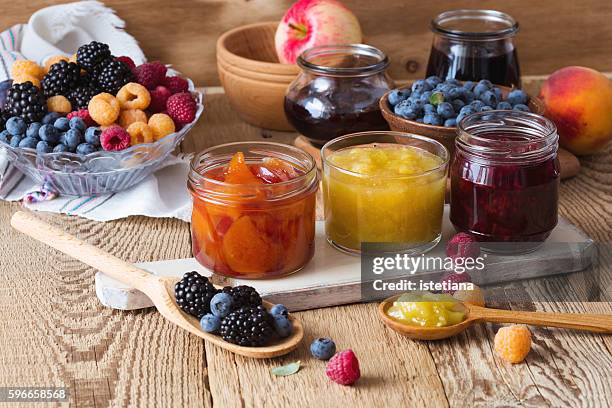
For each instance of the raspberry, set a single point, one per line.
(134, 96)
(83, 114)
(181, 107)
(58, 103)
(159, 97)
(176, 84)
(452, 278)
(343, 368)
(27, 67)
(150, 74)
(129, 116)
(54, 60)
(162, 125)
(114, 138)
(512, 343)
(127, 61)
(104, 108)
(140, 133)
(462, 245)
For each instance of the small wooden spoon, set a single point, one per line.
(159, 290)
(598, 323)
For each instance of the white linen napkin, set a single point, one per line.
(62, 29)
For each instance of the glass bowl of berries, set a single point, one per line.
(94, 123)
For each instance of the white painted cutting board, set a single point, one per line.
(333, 278)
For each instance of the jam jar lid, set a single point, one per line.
(343, 60)
(475, 24)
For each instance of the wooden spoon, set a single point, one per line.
(160, 290)
(598, 323)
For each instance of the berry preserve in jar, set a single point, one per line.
(504, 179)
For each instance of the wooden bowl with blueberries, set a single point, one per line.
(432, 107)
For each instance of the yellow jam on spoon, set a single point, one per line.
(427, 309)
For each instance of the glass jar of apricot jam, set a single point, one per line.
(337, 91)
(505, 179)
(253, 209)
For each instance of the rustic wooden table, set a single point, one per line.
(55, 332)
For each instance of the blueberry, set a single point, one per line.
(457, 104)
(518, 96)
(405, 110)
(71, 139)
(4, 88)
(468, 85)
(28, 142)
(498, 93)
(480, 89)
(43, 147)
(445, 110)
(425, 96)
(5, 136)
(210, 323)
(467, 110)
(282, 325)
(485, 108)
(521, 107)
(62, 124)
(489, 98)
(432, 119)
(49, 134)
(485, 82)
(78, 124)
(456, 93)
(504, 105)
(451, 122)
(92, 135)
(433, 80)
(477, 104)
(469, 96)
(429, 108)
(16, 126)
(323, 348)
(221, 303)
(279, 310)
(85, 148)
(33, 129)
(15, 140)
(60, 148)
(421, 86)
(444, 87)
(396, 96)
(50, 117)
(453, 81)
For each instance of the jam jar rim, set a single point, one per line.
(510, 31)
(445, 159)
(300, 184)
(546, 133)
(364, 49)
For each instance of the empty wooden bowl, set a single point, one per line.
(254, 81)
(444, 135)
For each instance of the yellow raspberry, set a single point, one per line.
(104, 109)
(25, 78)
(472, 297)
(162, 125)
(54, 60)
(73, 58)
(513, 343)
(140, 133)
(21, 68)
(59, 103)
(129, 116)
(134, 96)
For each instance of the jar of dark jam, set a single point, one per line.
(471, 45)
(337, 91)
(505, 179)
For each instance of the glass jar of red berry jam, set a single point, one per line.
(253, 209)
(504, 179)
(337, 91)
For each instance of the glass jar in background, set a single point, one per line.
(471, 45)
(337, 91)
(253, 231)
(504, 179)
(386, 188)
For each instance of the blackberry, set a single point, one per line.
(113, 76)
(248, 326)
(193, 294)
(62, 77)
(26, 101)
(90, 55)
(81, 95)
(243, 295)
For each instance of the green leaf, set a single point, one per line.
(436, 98)
(288, 369)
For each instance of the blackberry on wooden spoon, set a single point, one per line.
(193, 294)
(248, 326)
(243, 295)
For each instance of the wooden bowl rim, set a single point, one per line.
(255, 75)
(255, 82)
(386, 110)
(248, 63)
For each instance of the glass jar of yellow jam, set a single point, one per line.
(384, 188)
(427, 309)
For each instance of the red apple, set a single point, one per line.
(309, 23)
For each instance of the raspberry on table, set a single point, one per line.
(150, 74)
(175, 84)
(115, 138)
(343, 368)
(159, 98)
(182, 107)
(512, 343)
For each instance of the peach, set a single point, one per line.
(579, 101)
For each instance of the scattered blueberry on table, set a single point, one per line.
(433, 101)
